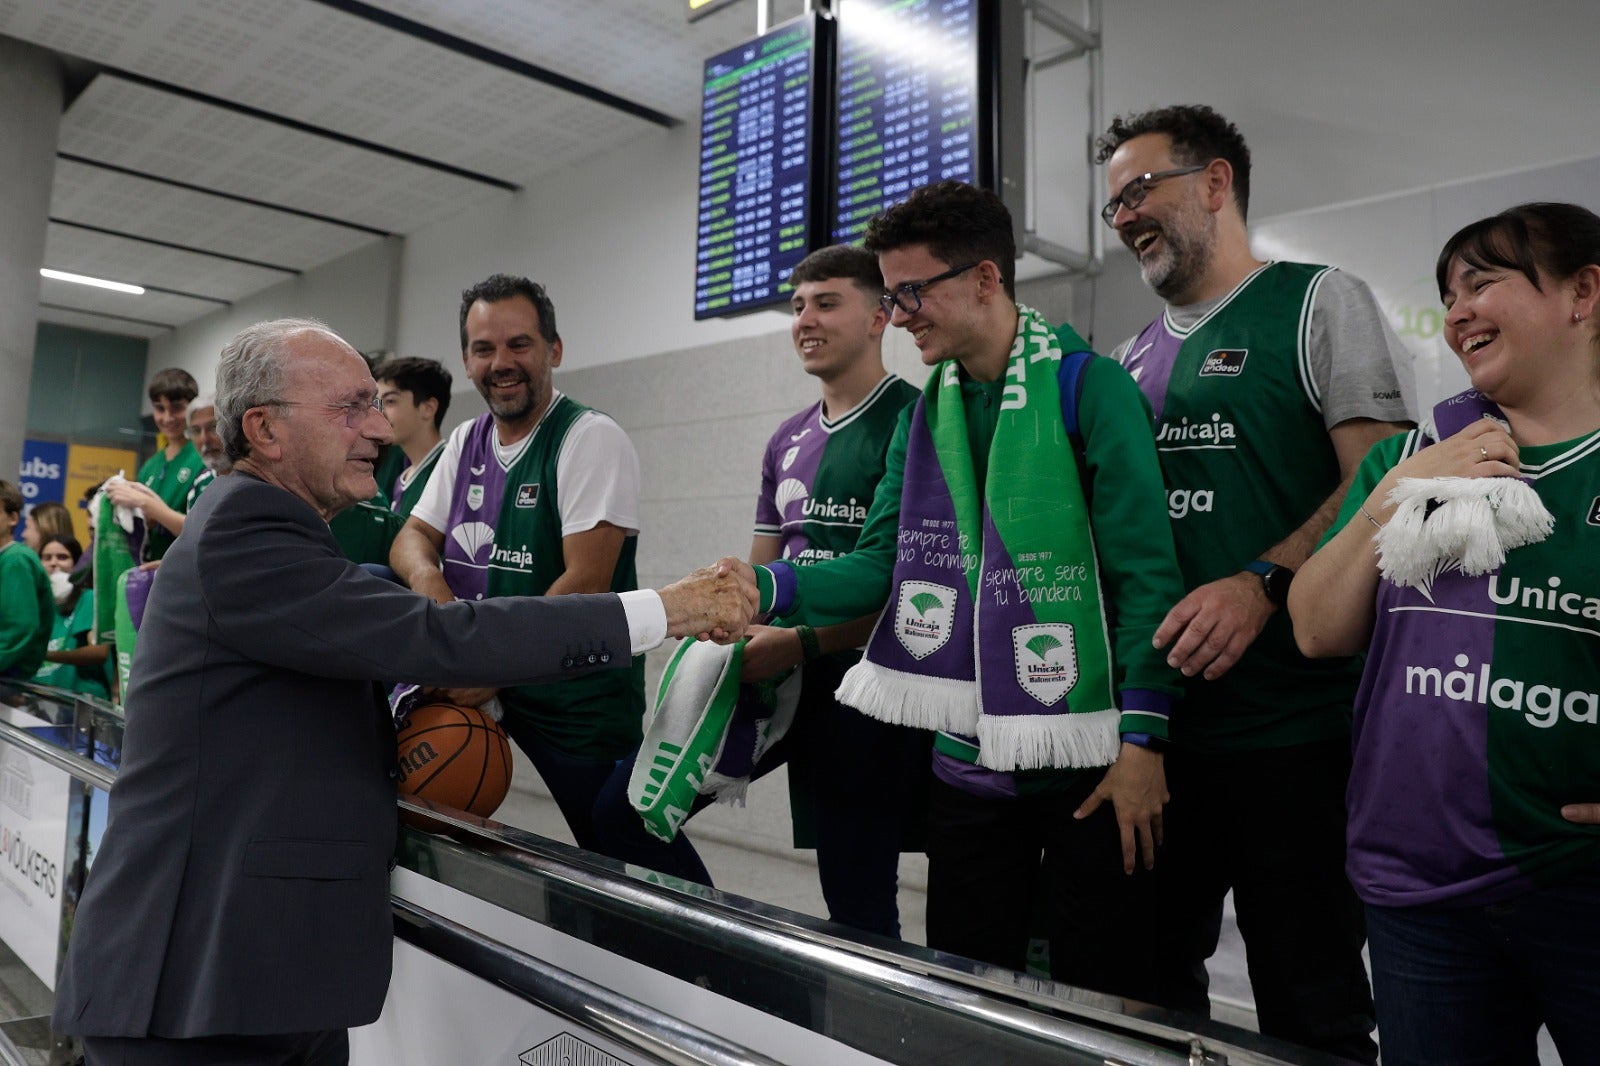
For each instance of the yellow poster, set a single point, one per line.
(89, 465)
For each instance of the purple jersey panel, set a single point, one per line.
(788, 478)
(475, 498)
(1150, 360)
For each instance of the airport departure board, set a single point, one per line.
(757, 143)
(908, 104)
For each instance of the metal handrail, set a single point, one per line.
(970, 993)
(86, 770)
(10, 1054)
(640, 1028)
(946, 983)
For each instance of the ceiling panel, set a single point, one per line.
(153, 132)
(311, 63)
(101, 323)
(151, 307)
(104, 198)
(79, 251)
(641, 50)
(362, 81)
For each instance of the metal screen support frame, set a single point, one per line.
(1086, 44)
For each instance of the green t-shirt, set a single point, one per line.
(171, 480)
(58, 674)
(390, 463)
(68, 631)
(27, 611)
(366, 531)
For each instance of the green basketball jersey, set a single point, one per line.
(503, 538)
(1480, 710)
(818, 476)
(1246, 459)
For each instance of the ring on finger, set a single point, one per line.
(1483, 452)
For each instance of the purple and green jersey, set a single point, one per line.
(1478, 715)
(818, 476)
(503, 538)
(408, 484)
(1246, 459)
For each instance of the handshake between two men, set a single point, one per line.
(714, 602)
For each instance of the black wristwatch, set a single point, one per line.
(1275, 580)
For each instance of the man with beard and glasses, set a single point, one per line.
(537, 497)
(1268, 381)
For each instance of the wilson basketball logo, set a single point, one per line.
(416, 758)
(455, 756)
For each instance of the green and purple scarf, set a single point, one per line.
(995, 627)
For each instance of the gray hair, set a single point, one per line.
(199, 403)
(252, 373)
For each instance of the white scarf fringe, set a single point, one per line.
(1039, 741)
(914, 700)
(1476, 521)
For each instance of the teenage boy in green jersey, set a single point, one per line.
(537, 496)
(1019, 550)
(857, 787)
(162, 488)
(415, 394)
(1269, 382)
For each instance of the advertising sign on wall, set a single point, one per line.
(90, 465)
(33, 839)
(43, 475)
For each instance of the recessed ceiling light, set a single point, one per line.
(99, 283)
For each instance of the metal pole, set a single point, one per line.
(1097, 122)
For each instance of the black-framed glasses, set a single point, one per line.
(908, 297)
(1133, 193)
(354, 411)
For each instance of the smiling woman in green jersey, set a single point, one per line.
(1477, 725)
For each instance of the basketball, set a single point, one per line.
(455, 756)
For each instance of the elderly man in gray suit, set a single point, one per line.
(238, 909)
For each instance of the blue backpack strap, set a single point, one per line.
(1069, 379)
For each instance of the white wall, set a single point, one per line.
(1392, 242)
(611, 239)
(353, 294)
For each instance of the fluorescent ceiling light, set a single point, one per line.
(99, 283)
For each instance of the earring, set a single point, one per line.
(1577, 316)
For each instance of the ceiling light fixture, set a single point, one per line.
(99, 283)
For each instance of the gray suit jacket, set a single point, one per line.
(242, 883)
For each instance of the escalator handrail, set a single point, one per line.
(85, 770)
(947, 988)
(640, 1028)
